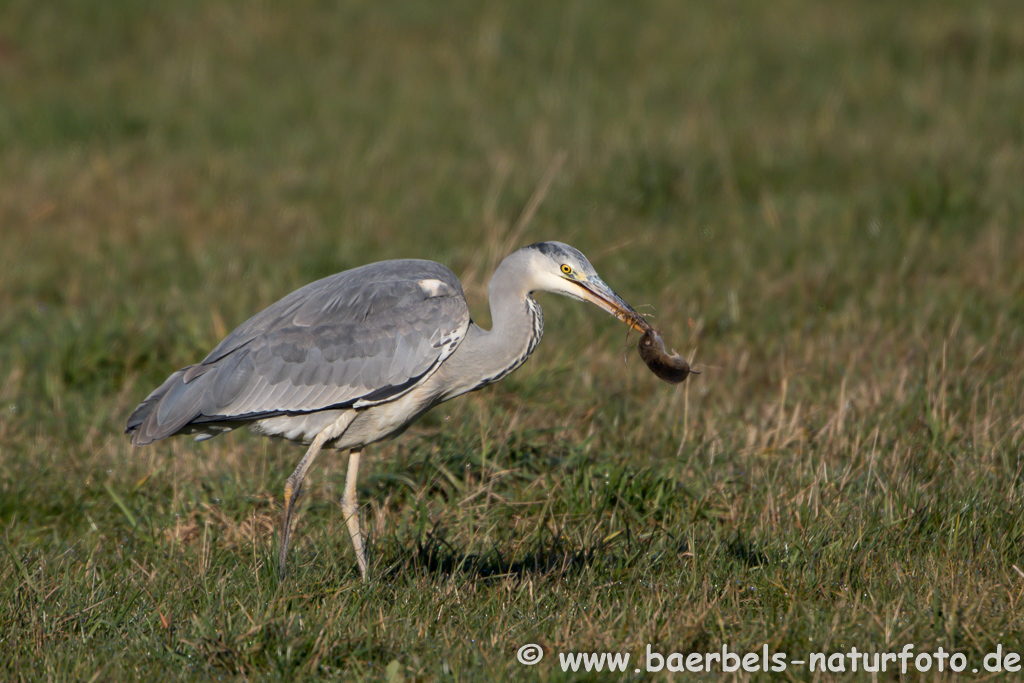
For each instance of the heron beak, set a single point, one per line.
(601, 295)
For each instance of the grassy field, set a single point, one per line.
(819, 203)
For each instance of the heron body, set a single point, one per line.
(357, 357)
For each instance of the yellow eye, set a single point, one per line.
(567, 269)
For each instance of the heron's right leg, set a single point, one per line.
(292, 489)
(293, 486)
(350, 508)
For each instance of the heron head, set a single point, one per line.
(559, 268)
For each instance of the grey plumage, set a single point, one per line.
(350, 340)
(356, 357)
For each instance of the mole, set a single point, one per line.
(669, 367)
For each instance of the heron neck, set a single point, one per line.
(517, 324)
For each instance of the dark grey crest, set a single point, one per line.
(560, 252)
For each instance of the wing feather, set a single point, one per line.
(357, 338)
(353, 339)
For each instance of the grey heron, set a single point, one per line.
(356, 357)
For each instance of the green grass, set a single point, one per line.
(819, 202)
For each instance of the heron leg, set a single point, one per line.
(292, 489)
(350, 508)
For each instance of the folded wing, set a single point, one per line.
(360, 337)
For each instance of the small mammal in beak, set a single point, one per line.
(669, 367)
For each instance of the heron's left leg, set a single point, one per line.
(350, 508)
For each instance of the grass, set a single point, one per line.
(820, 203)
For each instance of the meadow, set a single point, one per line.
(820, 204)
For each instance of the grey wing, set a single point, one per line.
(354, 339)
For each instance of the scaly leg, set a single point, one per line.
(293, 486)
(292, 489)
(350, 508)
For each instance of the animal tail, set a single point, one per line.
(168, 409)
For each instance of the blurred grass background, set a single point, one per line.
(820, 204)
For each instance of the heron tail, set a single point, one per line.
(167, 410)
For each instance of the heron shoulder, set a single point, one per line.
(351, 295)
